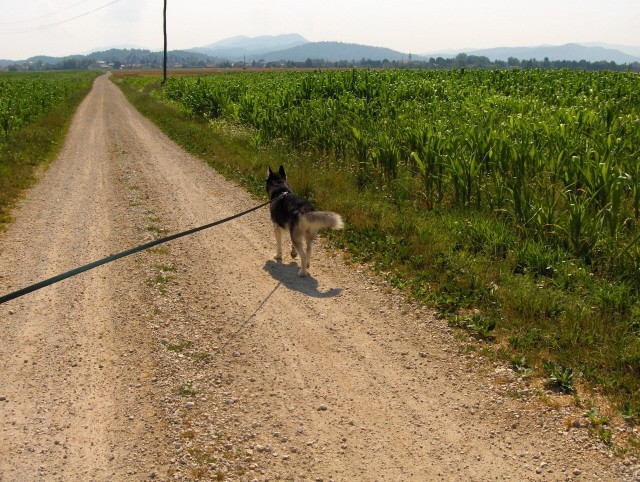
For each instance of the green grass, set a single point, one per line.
(534, 300)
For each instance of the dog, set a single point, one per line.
(298, 216)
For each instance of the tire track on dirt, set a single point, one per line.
(67, 351)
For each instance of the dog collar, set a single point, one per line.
(279, 196)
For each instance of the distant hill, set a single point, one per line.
(295, 48)
(332, 52)
(236, 48)
(627, 49)
(572, 52)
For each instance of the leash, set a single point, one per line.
(113, 257)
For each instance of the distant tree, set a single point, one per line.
(478, 61)
(461, 59)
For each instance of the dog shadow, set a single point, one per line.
(287, 274)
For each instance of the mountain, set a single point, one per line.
(292, 47)
(332, 52)
(295, 48)
(572, 52)
(627, 49)
(236, 48)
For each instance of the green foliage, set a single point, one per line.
(186, 390)
(478, 325)
(521, 366)
(599, 424)
(26, 96)
(559, 377)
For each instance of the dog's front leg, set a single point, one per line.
(278, 232)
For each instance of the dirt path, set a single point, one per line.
(205, 359)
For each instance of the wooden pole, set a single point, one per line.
(164, 25)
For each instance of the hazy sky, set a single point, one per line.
(62, 27)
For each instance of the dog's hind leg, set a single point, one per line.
(278, 232)
(309, 250)
(297, 246)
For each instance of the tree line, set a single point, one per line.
(129, 59)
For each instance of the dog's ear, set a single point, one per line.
(269, 172)
(281, 171)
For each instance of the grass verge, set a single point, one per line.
(531, 301)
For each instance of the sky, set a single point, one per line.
(65, 27)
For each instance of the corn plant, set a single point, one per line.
(26, 96)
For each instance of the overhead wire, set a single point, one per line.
(53, 24)
(50, 14)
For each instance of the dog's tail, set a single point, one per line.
(317, 220)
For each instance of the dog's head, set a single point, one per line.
(277, 182)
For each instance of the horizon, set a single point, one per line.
(59, 28)
(630, 49)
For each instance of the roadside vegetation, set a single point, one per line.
(35, 112)
(507, 200)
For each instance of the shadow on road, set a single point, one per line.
(287, 274)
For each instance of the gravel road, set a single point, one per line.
(205, 359)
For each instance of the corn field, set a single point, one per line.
(26, 96)
(555, 153)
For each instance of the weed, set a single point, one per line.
(179, 347)
(480, 326)
(599, 424)
(559, 377)
(186, 391)
(200, 473)
(597, 420)
(606, 435)
(202, 357)
(630, 411)
(159, 281)
(165, 267)
(157, 230)
(521, 366)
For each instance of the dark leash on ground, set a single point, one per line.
(113, 257)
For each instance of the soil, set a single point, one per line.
(205, 359)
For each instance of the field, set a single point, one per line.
(34, 111)
(509, 200)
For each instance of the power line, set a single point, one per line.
(46, 26)
(27, 20)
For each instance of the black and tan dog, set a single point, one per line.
(298, 216)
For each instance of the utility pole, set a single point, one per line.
(164, 25)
